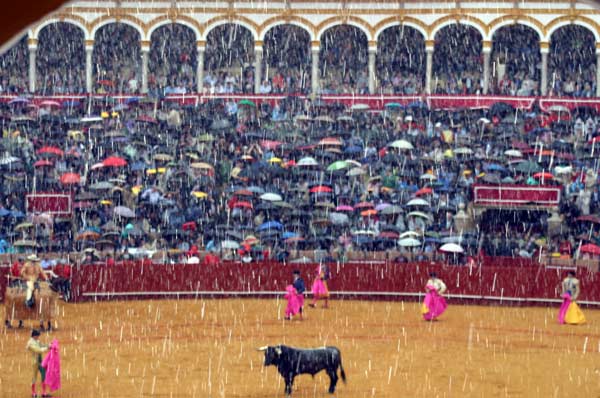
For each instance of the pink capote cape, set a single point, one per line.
(319, 286)
(570, 312)
(564, 307)
(52, 364)
(434, 305)
(293, 301)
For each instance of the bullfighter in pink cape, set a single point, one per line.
(293, 303)
(52, 365)
(36, 348)
(434, 304)
(319, 287)
(570, 312)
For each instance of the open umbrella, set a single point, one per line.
(124, 212)
(114, 161)
(246, 102)
(270, 225)
(590, 248)
(43, 163)
(50, 150)
(451, 248)
(417, 202)
(528, 167)
(70, 179)
(409, 242)
(307, 161)
(271, 197)
(338, 165)
(230, 244)
(401, 144)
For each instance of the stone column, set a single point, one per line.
(597, 69)
(315, 73)
(487, 52)
(145, 57)
(544, 48)
(429, 66)
(32, 45)
(89, 51)
(200, 66)
(372, 70)
(258, 53)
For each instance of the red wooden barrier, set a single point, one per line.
(361, 280)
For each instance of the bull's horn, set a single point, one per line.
(262, 348)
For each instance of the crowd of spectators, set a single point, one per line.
(61, 57)
(116, 60)
(173, 60)
(572, 62)
(243, 180)
(401, 61)
(286, 63)
(457, 61)
(516, 61)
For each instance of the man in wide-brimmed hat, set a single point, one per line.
(31, 272)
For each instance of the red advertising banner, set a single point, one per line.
(56, 204)
(516, 195)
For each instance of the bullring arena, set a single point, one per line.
(170, 165)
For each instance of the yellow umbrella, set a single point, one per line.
(200, 194)
(201, 166)
(275, 160)
(136, 189)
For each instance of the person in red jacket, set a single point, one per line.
(211, 259)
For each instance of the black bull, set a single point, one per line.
(292, 362)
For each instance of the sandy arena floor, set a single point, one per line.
(206, 348)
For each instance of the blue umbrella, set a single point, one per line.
(288, 234)
(138, 166)
(270, 225)
(71, 104)
(17, 214)
(132, 99)
(353, 149)
(417, 105)
(4, 212)
(494, 167)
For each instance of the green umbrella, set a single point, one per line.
(338, 165)
(246, 102)
(528, 167)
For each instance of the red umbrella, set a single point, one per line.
(106, 83)
(50, 150)
(546, 175)
(424, 191)
(368, 213)
(269, 144)
(43, 163)
(50, 103)
(114, 161)
(590, 248)
(243, 192)
(363, 205)
(321, 189)
(389, 235)
(244, 204)
(70, 179)
(590, 218)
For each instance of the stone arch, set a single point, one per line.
(125, 20)
(394, 21)
(181, 20)
(285, 20)
(558, 23)
(508, 20)
(73, 20)
(458, 19)
(335, 21)
(236, 20)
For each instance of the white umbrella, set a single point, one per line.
(483, 120)
(428, 176)
(307, 161)
(417, 202)
(364, 232)
(418, 214)
(563, 169)
(360, 107)
(409, 234)
(463, 151)
(357, 171)
(229, 244)
(409, 242)
(451, 248)
(401, 144)
(8, 159)
(271, 197)
(123, 211)
(515, 153)
(558, 108)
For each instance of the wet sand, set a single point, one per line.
(206, 348)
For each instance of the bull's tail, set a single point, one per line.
(342, 373)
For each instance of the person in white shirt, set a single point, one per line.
(265, 87)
